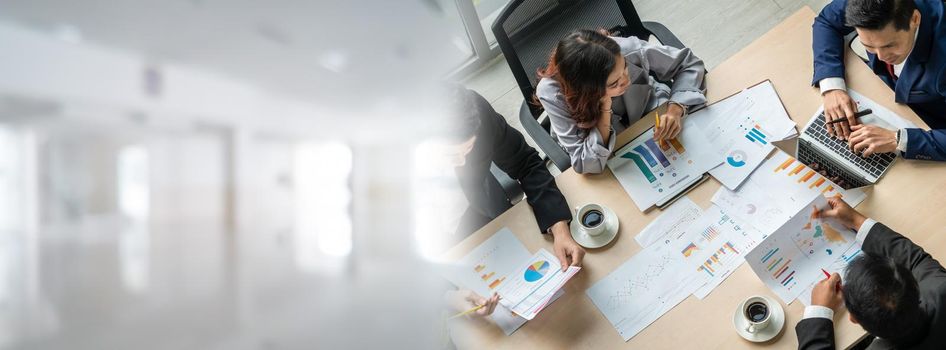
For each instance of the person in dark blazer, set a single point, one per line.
(906, 48)
(895, 290)
(481, 137)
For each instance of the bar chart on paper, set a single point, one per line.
(742, 128)
(780, 187)
(791, 258)
(839, 265)
(714, 245)
(650, 171)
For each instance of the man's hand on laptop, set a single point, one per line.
(838, 105)
(870, 139)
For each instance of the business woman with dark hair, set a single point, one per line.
(594, 86)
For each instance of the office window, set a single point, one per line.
(134, 203)
(323, 223)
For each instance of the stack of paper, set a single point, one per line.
(791, 259)
(652, 173)
(742, 128)
(486, 267)
(714, 245)
(642, 289)
(779, 188)
(532, 286)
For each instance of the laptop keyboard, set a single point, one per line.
(807, 156)
(875, 164)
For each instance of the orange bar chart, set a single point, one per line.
(807, 176)
(817, 183)
(785, 164)
(797, 169)
(678, 146)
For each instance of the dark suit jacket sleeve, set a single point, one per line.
(521, 162)
(926, 145)
(815, 334)
(828, 33)
(883, 241)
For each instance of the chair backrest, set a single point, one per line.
(527, 30)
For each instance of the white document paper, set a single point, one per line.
(642, 289)
(532, 286)
(714, 246)
(672, 222)
(839, 265)
(486, 267)
(741, 128)
(790, 260)
(780, 187)
(650, 172)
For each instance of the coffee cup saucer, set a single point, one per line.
(775, 326)
(588, 241)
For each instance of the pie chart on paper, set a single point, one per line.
(536, 271)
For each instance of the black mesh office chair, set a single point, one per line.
(527, 30)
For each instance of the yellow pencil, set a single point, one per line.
(467, 312)
(657, 118)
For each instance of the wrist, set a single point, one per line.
(559, 229)
(858, 221)
(676, 109)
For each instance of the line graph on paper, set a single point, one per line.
(641, 284)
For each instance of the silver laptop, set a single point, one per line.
(835, 155)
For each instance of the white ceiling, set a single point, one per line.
(338, 53)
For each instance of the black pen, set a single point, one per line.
(856, 115)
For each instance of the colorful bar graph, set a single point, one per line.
(756, 135)
(643, 151)
(729, 246)
(797, 170)
(689, 250)
(807, 176)
(707, 270)
(785, 164)
(496, 283)
(657, 153)
(678, 146)
(817, 183)
(827, 189)
(782, 269)
(769, 255)
(710, 233)
(774, 264)
(788, 278)
(487, 276)
(640, 164)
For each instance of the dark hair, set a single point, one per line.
(884, 298)
(876, 14)
(466, 114)
(581, 64)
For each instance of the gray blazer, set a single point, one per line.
(651, 68)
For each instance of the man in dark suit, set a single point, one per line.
(481, 137)
(894, 290)
(906, 48)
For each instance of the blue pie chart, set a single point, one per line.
(536, 271)
(736, 158)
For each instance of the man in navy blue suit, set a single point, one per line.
(906, 47)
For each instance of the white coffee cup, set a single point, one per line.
(591, 219)
(757, 313)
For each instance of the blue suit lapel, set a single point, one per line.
(916, 63)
